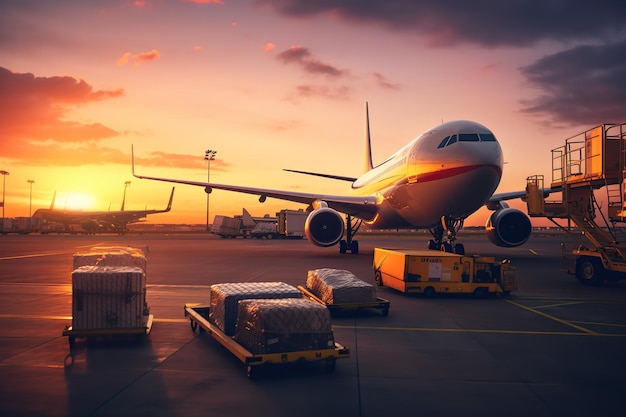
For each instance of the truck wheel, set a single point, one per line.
(429, 292)
(378, 277)
(589, 270)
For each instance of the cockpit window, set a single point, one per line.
(468, 137)
(443, 142)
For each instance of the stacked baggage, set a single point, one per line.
(109, 290)
(283, 325)
(225, 298)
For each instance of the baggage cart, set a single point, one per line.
(380, 303)
(139, 332)
(199, 320)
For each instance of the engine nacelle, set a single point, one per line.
(508, 227)
(324, 227)
(90, 225)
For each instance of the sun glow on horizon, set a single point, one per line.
(75, 201)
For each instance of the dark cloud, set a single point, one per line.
(489, 23)
(583, 85)
(303, 57)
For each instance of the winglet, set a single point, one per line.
(169, 204)
(368, 143)
(132, 155)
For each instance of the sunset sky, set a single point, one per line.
(273, 84)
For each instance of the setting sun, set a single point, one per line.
(75, 201)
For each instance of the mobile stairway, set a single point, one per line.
(588, 163)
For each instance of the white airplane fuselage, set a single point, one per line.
(425, 180)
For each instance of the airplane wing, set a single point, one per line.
(363, 207)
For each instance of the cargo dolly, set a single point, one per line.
(106, 332)
(199, 320)
(379, 304)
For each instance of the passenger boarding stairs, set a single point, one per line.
(593, 160)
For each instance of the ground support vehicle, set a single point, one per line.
(199, 320)
(380, 303)
(588, 163)
(139, 332)
(431, 272)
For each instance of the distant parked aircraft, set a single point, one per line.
(98, 221)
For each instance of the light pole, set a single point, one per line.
(126, 185)
(4, 177)
(209, 155)
(30, 204)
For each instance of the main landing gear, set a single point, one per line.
(352, 226)
(447, 243)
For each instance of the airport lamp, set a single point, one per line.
(209, 155)
(126, 185)
(30, 203)
(4, 177)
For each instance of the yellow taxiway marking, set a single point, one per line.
(534, 252)
(461, 330)
(558, 320)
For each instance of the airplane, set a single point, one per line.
(97, 221)
(434, 182)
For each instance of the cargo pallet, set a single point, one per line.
(109, 332)
(199, 320)
(379, 304)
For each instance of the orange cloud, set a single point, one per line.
(33, 123)
(138, 59)
(269, 47)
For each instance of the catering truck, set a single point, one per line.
(431, 272)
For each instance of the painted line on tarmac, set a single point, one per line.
(35, 255)
(65, 318)
(548, 316)
(460, 330)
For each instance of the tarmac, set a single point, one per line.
(552, 348)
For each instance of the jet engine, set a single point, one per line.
(508, 227)
(90, 225)
(324, 227)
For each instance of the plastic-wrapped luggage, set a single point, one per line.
(337, 286)
(283, 325)
(224, 299)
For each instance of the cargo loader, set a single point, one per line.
(590, 172)
(199, 320)
(432, 272)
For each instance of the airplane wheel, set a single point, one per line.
(432, 245)
(343, 246)
(446, 247)
(354, 247)
(459, 249)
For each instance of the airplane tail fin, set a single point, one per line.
(368, 143)
(247, 219)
